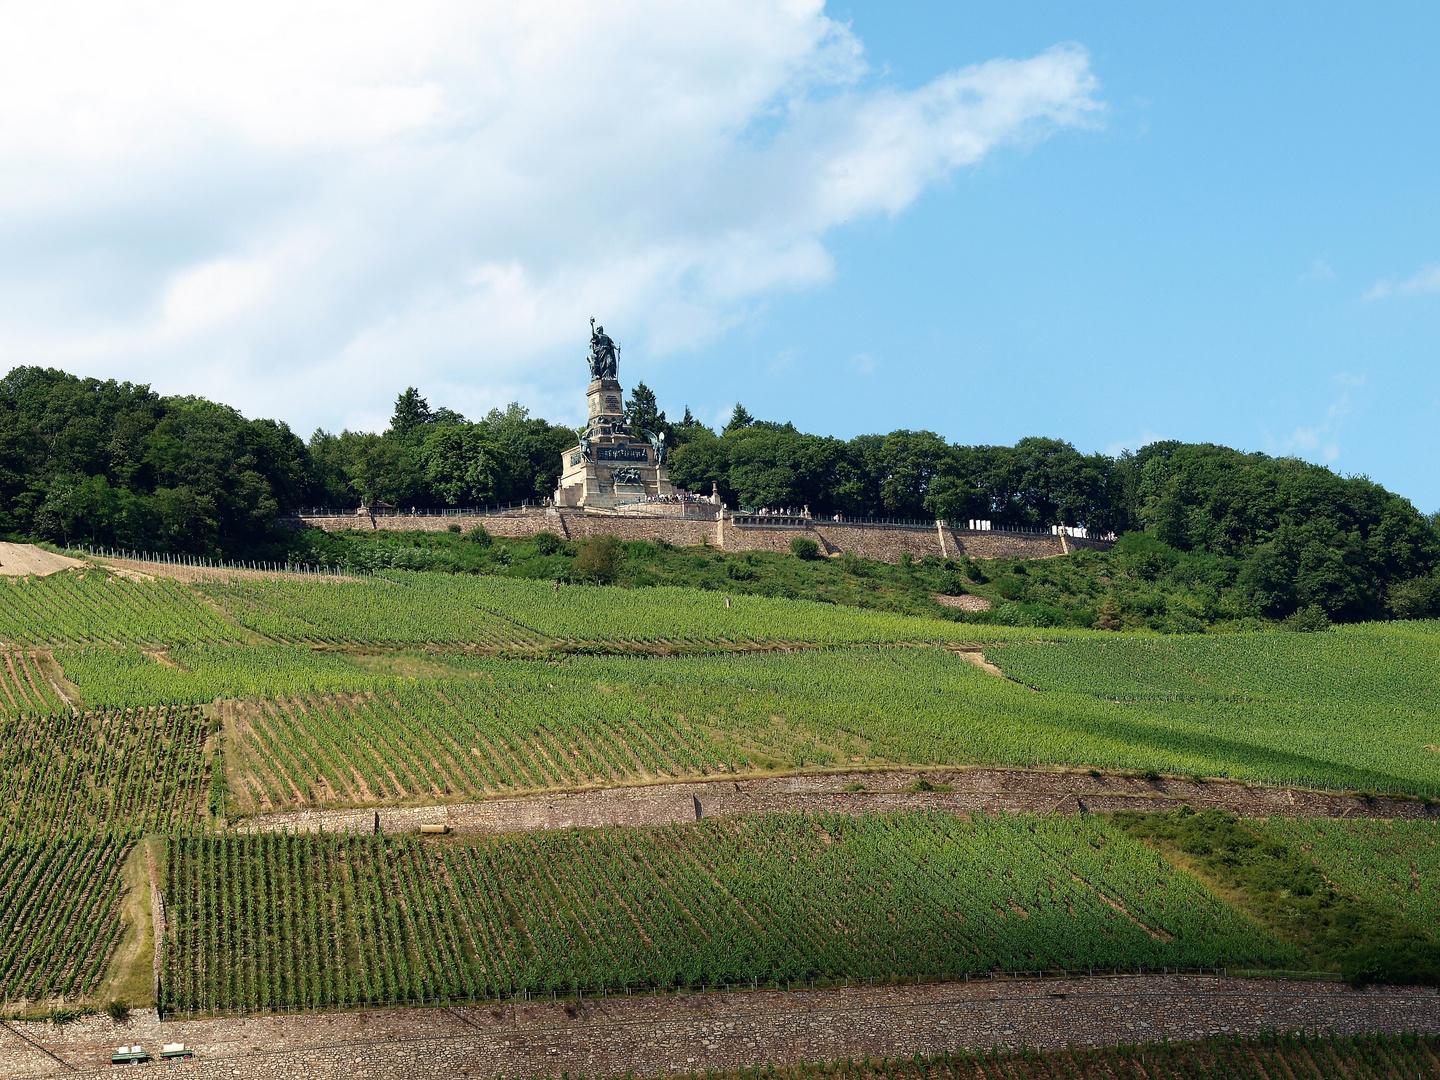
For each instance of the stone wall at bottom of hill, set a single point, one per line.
(694, 1032)
(886, 543)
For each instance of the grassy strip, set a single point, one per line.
(1285, 890)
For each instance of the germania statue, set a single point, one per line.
(604, 354)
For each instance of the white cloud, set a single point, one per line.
(300, 207)
(1426, 281)
(1323, 439)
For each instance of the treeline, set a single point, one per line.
(86, 461)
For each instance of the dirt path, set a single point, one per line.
(694, 1032)
(969, 790)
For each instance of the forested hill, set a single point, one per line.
(85, 461)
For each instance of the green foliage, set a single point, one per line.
(1415, 598)
(598, 559)
(1289, 893)
(1393, 864)
(86, 461)
(547, 543)
(802, 547)
(769, 898)
(1308, 620)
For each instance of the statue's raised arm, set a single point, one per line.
(604, 359)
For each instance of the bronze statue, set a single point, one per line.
(604, 354)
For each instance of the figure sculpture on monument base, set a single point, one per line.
(611, 465)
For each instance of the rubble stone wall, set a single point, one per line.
(884, 543)
(971, 791)
(689, 1033)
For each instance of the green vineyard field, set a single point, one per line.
(59, 913)
(265, 921)
(1395, 864)
(502, 725)
(444, 609)
(101, 608)
(142, 770)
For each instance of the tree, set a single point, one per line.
(642, 412)
(740, 418)
(599, 559)
(411, 411)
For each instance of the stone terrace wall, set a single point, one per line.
(973, 790)
(689, 1033)
(881, 542)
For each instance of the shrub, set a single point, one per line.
(599, 559)
(455, 527)
(1308, 620)
(1417, 598)
(804, 548)
(479, 536)
(547, 543)
(119, 1010)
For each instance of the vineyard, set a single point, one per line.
(27, 684)
(59, 913)
(267, 921)
(96, 607)
(133, 706)
(1394, 864)
(143, 769)
(1277, 1057)
(1378, 666)
(464, 610)
(505, 725)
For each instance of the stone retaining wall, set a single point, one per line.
(974, 791)
(881, 542)
(694, 1032)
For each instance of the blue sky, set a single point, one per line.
(1203, 268)
(1104, 222)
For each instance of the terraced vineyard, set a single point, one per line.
(141, 770)
(455, 610)
(265, 921)
(26, 684)
(59, 913)
(1395, 864)
(100, 608)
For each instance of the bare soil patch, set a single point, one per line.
(965, 602)
(17, 560)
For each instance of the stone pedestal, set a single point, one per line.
(612, 465)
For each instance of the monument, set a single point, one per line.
(612, 464)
